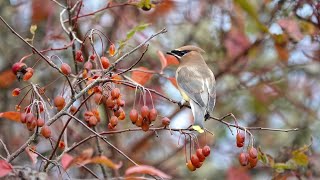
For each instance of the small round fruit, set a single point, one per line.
(145, 112)
(110, 127)
(118, 112)
(115, 93)
(195, 161)
(29, 117)
(113, 121)
(139, 121)
(110, 103)
(153, 114)
(87, 65)
(206, 150)
(92, 57)
(190, 166)
(253, 162)
(23, 118)
(105, 62)
(58, 101)
(97, 98)
(73, 109)
(200, 155)
(79, 56)
(40, 122)
(165, 121)
(240, 137)
(65, 69)
(122, 116)
(243, 158)
(27, 76)
(92, 121)
(45, 131)
(133, 115)
(240, 144)
(120, 102)
(16, 92)
(253, 152)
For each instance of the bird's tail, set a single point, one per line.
(198, 115)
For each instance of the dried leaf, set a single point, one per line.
(11, 115)
(141, 75)
(66, 160)
(33, 156)
(5, 168)
(145, 169)
(236, 42)
(105, 161)
(7, 78)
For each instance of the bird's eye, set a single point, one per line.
(180, 53)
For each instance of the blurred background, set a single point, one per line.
(264, 54)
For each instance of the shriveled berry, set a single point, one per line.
(153, 114)
(165, 121)
(79, 56)
(110, 127)
(110, 103)
(145, 125)
(145, 111)
(41, 109)
(16, 92)
(240, 144)
(195, 161)
(120, 102)
(105, 62)
(115, 93)
(65, 69)
(45, 131)
(253, 152)
(190, 166)
(133, 115)
(118, 112)
(92, 121)
(200, 155)
(61, 145)
(73, 109)
(58, 101)
(113, 121)
(243, 158)
(206, 150)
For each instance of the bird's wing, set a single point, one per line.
(211, 85)
(194, 84)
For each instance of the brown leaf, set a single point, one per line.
(145, 169)
(7, 78)
(11, 115)
(236, 42)
(235, 173)
(104, 161)
(5, 168)
(162, 59)
(66, 160)
(141, 75)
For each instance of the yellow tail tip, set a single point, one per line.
(198, 128)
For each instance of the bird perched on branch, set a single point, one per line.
(196, 83)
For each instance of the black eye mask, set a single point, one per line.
(180, 53)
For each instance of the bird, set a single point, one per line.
(196, 83)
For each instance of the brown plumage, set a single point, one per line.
(195, 81)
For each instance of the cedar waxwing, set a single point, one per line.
(196, 83)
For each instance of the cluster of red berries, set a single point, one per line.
(22, 71)
(198, 158)
(92, 117)
(115, 103)
(31, 121)
(249, 158)
(145, 117)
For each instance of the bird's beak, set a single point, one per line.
(170, 53)
(174, 55)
